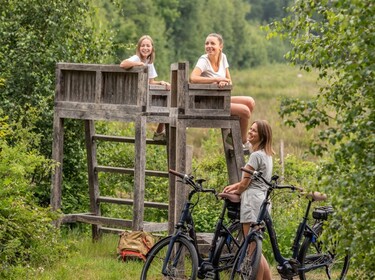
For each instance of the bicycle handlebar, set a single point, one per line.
(314, 196)
(258, 174)
(178, 174)
(186, 179)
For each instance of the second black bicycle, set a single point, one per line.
(178, 257)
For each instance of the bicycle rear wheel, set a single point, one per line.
(226, 250)
(246, 264)
(182, 264)
(314, 253)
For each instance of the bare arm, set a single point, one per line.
(227, 75)
(196, 78)
(126, 64)
(242, 185)
(163, 83)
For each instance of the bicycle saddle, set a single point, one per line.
(231, 196)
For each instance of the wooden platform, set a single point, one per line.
(91, 92)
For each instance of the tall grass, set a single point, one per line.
(268, 85)
(94, 261)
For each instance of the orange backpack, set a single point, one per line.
(134, 245)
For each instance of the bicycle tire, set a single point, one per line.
(248, 269)
(226, 250)
(185, 266)
(313, 252)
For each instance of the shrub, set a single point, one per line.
(28, 239)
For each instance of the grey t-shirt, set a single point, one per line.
(261, 162)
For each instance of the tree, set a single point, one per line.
(34, 36)
(267, 10)
(337, 39)
(131, 19)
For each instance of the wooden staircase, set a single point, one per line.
(92, 92)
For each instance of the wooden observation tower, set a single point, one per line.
(92, 92)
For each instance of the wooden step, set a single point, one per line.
(123, 170)
(125, 201)
(123, 139)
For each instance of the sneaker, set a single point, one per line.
(159, 136)
(229, 139)
(246, 146)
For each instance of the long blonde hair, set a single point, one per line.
(151, 57)
(265, 137)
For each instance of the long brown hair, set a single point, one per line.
(221, 41)
(265, 136)
(151, 57)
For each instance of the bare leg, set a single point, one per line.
(160, 128)
(242, 106)
(248, 101)
(264, 272)
(244, 113)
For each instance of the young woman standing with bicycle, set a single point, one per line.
(253, 191)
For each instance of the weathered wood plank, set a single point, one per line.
(92, 175)
(123, 170)
(155, 227)
(57, 156)
(97, 220)
(122, 139)
(99, 67)
(123, 201)
(139, 171)
(158, 99)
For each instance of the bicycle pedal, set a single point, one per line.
(209, 275)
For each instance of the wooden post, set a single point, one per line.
(139, 172)
(172, 180)
(92, 174)
(57, 156)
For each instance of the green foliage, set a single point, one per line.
(267, 10)
(27, 236)
(213, 169)
(288, 207)
(337, 39)
(34, 36)
(179, 29)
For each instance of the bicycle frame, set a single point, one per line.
(185, 228)
(265, 220)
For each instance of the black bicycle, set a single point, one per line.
(313, 253)
(178, 257)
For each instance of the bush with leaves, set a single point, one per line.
(28, 239)
(34, 36)
(337, 39)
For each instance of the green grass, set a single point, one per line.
(268, 85)
(94, 261)
(98, 261)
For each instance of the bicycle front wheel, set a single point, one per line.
(315, 253)
(246, 264)
(181, 264)
(226, 250)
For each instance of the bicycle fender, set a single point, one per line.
(182, 236)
